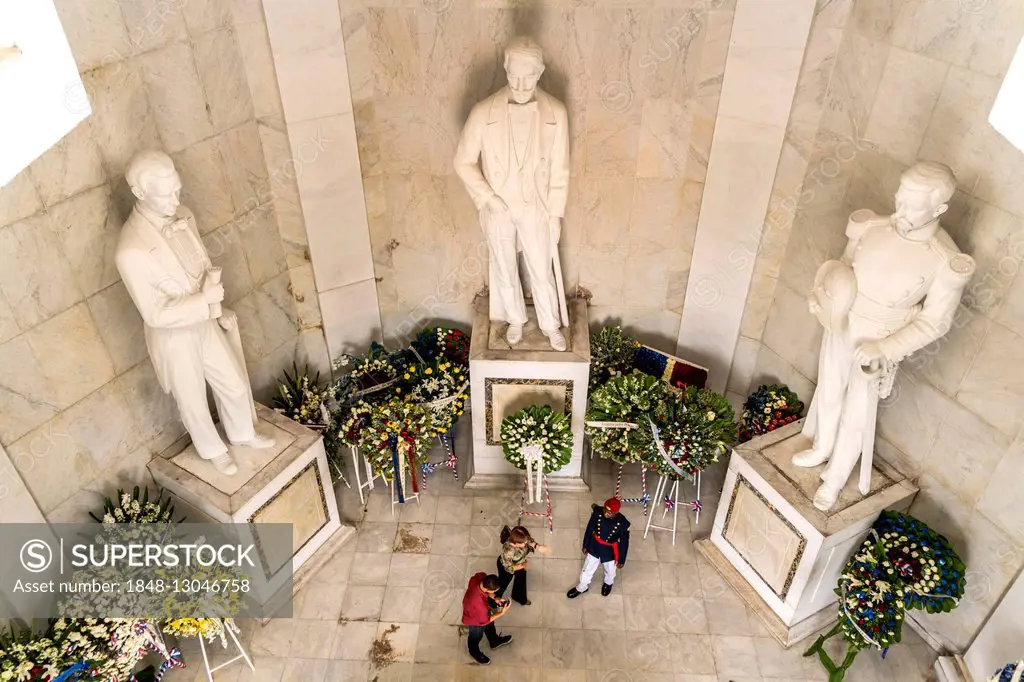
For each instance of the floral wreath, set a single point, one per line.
(768, 408)
(695, 427)
(616, 421)
(351, 421)
(902, 565)
(407, 426)
(611, 354)
(443, 388)
(537, 425)
(442, 342)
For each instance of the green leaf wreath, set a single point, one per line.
(695, 426)
(902, 565)
(611, 355)
(537, 425)
(629, 398)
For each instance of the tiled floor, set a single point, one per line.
(388, 606)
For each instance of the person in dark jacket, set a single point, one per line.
(479, 611)
(605, 542)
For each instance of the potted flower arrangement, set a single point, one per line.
(902, 565)
(768, 408)
(302, 398)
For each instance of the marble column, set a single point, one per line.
(312, 73)
(769, 39)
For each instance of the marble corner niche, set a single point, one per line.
(504, 380)
(289, 483)
(776, 550)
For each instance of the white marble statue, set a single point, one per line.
(895, 291)
(513, 157)
(191, 339)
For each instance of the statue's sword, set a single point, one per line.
(874, 376)
(556, 263)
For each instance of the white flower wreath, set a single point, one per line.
(537, 425)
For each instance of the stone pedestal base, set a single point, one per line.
(781, 554)
(289, 483)
(503, 381)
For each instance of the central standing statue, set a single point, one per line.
(895, 291)
(513, 157)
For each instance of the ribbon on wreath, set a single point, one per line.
(670, 504)
(398, 467)
(696, 506)
(173, 660)
(533, 457)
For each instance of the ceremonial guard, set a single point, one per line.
(605, 542)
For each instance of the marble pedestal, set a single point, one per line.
(289, 483)
(775, 549)
(504, 380)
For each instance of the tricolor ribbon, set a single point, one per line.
(669, 503)
(696, 506)
(397, 464)
(533, 457)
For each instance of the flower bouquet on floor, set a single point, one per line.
(137, 508)
(611, 355)
(768, 408)
(695, 427)
(616, 421)
(302, 398)
(902, 565)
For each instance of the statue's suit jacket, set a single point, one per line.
(170, 303)
(482, 158)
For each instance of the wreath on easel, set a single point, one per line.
(617, 418)
(537, 425)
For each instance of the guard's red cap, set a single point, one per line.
(613, 504)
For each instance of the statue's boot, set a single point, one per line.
(258, 442)
(810, 458)
(557, 340)
(826, 496)
(225, 464)
(514, 334)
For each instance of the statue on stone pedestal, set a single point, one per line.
(192, 339)
(513, 157)
(895, 291)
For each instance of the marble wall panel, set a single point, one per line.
(35, 276)
(72, 165)
(88, 226)
(176, 95)
(222, 73)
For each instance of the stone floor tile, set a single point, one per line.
(352, 640)
(454, 510)
(424, 512)
(305, 670)
(735, 655)
(727, 617)
(695, 655)
(398, 640)
(407, 570)
(450, 539)
(685, 615)
(640, 577)
(402, 604)
(564, 649)
(440, 644)
(321, 601)
(376, 537)
(337, 671)
(558, 611)
(268, 669)
(643, 613)
(602, 613)
(338, 568)
(362, 602)
(413, 538)
(370, 568)
(313, 639)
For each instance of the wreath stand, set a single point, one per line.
(360, 484)
(671, 502)
(451, 459)
(241, 654)
(547, 506)
(644, 498)
(398, 493)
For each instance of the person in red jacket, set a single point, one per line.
(480, 609)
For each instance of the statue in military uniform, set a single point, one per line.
(906, 283)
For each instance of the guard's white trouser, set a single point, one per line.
(590, 566)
